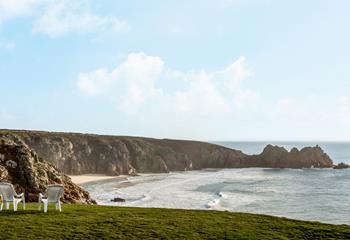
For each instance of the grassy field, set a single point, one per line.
(100, 222)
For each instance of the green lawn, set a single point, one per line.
(100, 222)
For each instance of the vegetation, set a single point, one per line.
(102, 222)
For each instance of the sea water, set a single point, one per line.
(306, 194)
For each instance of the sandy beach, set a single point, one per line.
(86, 178)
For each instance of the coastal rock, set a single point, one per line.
(117, 199)
(77, 154)
(279, 157)
(341, 166)
(29, 173)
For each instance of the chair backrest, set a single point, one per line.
(54, 192)
(7, 192)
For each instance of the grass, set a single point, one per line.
(102, 222)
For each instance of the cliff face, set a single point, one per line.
(279, 157)
(21, 166)
(114, 155)
(81, 153)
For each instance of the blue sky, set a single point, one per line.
(207, 70)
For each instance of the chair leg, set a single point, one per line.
(15, 205)
(39, 206)
(45, 206)
(59, 206)
(7, 205)
(24, 203)
(2, 204)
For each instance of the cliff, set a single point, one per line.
(29, 173)
(279, 157)
(75, 154)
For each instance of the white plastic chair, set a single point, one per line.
(54, 193)
(9, 195)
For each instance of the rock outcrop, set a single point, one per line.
(29, 173)
(341, 166)
(76, 154)
(279, 157)
(118, 199)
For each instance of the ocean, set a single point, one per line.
(307, 194)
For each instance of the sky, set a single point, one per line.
(240, 70)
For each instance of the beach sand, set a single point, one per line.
(86, 178)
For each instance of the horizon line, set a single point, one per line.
(179, 138)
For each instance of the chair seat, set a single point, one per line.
(8, 195)
(46, 200)
(54, 193)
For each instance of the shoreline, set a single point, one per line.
(89, 178)
(92, 177)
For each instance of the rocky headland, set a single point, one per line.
(29, 173)
(76, 154)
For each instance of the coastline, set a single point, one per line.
(276, 192)
(88, 178)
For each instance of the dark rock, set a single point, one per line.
(29, 173)
(341, 166)
(117, 199)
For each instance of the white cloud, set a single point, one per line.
(131, 83)
(63, 17)
(16, 8)
(94, 83)
(234, 75)
(137, 77)
(135, 83)
(60, 17)
(202, 96)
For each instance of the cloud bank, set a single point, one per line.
(199, 103)
(144, 81)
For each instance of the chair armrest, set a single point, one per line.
(19, 195)
(42, 196)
